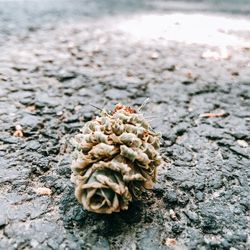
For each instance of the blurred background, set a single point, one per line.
(30, 13)
(218, 21)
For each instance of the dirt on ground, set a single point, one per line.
(58, 58)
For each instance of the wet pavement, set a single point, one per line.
(57, 58)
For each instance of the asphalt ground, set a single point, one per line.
(192, 59)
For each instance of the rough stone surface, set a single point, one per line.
(68, 57)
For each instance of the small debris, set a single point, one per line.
(242, 143)
(130, 74)
(31, 109)
(43, 191)
(223, 53)
(154, 55)
(172, 214)
(59, 113)
(189, 75)
(235, 73)
(170, 242)
(19, 131)
(214, 115)
(77, 108)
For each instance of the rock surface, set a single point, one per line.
(71, 56)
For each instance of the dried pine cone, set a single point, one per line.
(115, 159)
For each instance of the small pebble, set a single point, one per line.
(242, 143)
(43, 191)
(170, 242)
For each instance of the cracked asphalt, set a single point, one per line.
(59, 57)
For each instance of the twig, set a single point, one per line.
(143, 104)
(214, 115)
(95, 107)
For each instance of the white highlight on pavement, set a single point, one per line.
(202, 29)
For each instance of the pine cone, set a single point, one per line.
(115, 159)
